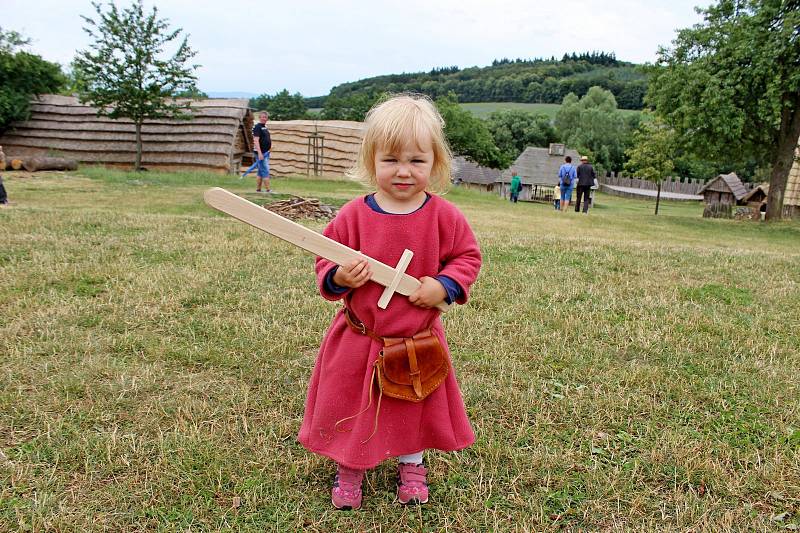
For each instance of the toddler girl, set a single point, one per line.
(404, 155)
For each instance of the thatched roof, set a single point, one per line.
(468, 171)
(792, 194)
(537, 166)
(214, 139)
(290, 145)
(731, 182)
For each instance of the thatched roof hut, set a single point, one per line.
(215, 139)
(539, 166)
(538, 170)
(471, 175)
(290, 145)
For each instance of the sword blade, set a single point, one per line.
(302, 237)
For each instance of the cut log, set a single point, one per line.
(33, 164)
(16, 164)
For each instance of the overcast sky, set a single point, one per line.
(310, 46)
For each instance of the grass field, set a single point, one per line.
(622, 371)
(484, 109)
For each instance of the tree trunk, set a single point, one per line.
(138, 165)
(33, 164)
(783, 154)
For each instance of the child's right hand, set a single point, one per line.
(353, 275)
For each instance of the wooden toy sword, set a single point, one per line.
(394, 279)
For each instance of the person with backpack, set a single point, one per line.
(566, 179)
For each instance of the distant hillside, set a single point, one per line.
(519, 80)
(484, 109)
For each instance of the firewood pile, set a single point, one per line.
(297, 207)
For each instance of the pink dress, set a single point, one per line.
(443, 244)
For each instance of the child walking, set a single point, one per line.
(405, 157)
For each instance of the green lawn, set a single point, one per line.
(622, 371)
(484, 109)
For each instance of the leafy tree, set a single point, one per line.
(469, 136)
(281, 106)
(22, 75)
(595, 127)
(353, 107)
(652, 154)
(514, 130)
(125, 73)
(730, 87)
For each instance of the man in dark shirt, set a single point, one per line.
(586, 177)
(262, 144)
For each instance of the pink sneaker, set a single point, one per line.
(412, 487)
(346, 492)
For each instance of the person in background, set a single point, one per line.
(262, 144)
(516, 186)
(586, 177)
(557, 197)
(566, 181)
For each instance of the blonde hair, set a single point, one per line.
(391, 123)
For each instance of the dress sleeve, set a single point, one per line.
(334, 230)
(462, 261)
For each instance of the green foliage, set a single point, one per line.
(353, 107)
(281, 106)
(22, 75)
(514, 130)
(123, 73)
(653, 151)
(595, 127)
(730, 86)
(469, 136)
(532, 81)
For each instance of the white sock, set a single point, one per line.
(412, 458)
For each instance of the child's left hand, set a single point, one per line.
(429, 294)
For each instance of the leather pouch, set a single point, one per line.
(411, 368)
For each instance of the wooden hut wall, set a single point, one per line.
(214, 139)
(290, 140)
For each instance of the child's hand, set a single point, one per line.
(353, 275)
(429, 294)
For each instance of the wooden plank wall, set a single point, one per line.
(289, 153)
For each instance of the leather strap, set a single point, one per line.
(358, 326)
(413, 367)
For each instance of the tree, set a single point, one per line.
(469, 136)
(22, 75)
(652, 154)
(282, 106)
(514, 130)
(353, 107)
(730, 87)
(125, 72)
(595, 127)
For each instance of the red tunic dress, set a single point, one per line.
(443, 243)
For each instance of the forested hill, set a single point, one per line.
(518, 80)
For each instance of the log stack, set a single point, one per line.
(297, 207)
